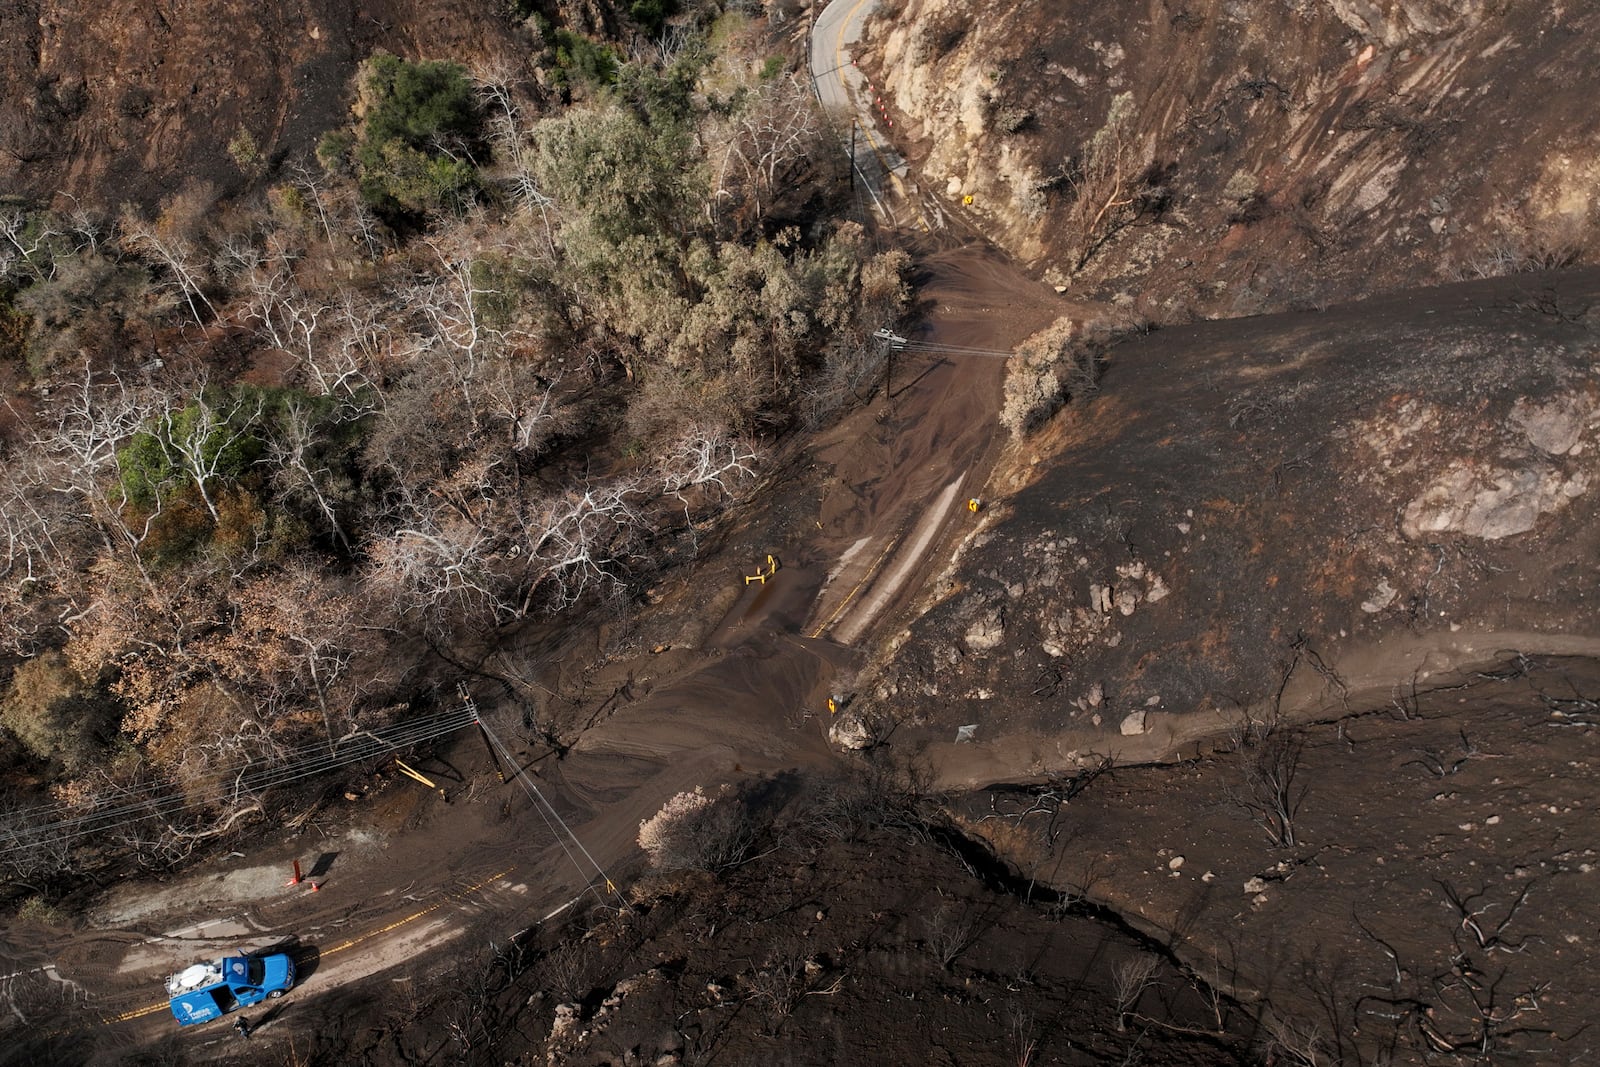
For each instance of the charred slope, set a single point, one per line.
(1299, 511)
(1219, 157)
(127, 101)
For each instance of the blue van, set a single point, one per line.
(210, 990)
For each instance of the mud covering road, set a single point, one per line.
(405, 879)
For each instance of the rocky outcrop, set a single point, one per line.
(1317, 499)
(1223, 157)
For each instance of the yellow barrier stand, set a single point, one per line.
(762, 576)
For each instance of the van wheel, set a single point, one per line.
(275, 994)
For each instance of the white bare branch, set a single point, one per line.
(708, 457)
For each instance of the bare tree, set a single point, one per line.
(437, 560)
(1107, 180)
(528, 405)
(1130, 978)
(708, 460)
(771, 138)
(951, 930)
(457, 304)
(287, 316)
(292, 448)
(206, 436)
(171, 241)
(1270, 791)
(707, 456)
(583, 538)
(513, 152)
(25, 241)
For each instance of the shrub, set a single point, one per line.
(652, 15)
(580, 61)
(39, 910)
(696, 831)
(418, 104)
(218, 433)
(56, 714)
(420, 131)
(1035, 377)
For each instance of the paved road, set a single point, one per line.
(844, 92)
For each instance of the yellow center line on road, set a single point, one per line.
(872, 570)
(458, 894)
(866, 128)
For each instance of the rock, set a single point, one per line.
(1255, 885)
(1158, 590)
(1127, 600)
(1099, 598)
(849, 731)
(986, 632)
(1133, 723)
(1381, 598)
(1554, 427)
(1491, 505)
(1097, 695)
(567, 1016)
(1174, 863)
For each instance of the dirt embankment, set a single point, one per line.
(126, 101)
(1220, 157)
(1298, 511)
(1337, 569)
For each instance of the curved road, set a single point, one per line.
(844, 93)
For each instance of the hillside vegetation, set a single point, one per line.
(479, 362)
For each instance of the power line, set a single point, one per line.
(160, 800)
(543, 805)
(316, 750)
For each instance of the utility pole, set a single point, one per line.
(852, 155)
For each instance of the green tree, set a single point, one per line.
(580, 61)
(418, 140)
